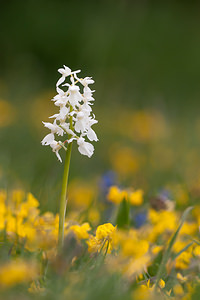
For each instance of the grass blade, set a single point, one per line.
(167, 253)
(123, 215)
(195, 241)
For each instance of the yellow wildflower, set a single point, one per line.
(29, 208)
(11, 223)
(183, 260)
(81, 231)
(32, 201)
(189, 228)
(179, 245)
(116, 195)
(18, 271)
(146, 292)
(178, 290)
(121, 236)
(46, 227)
(196, 251)
(143, 294)
(146, 286)
(3, 210)
(156, 249)
(94, 245)
(161, 283)
(181, 278)
(134, 247)
(105, 231)
(136, 197)
(103, 238)
(28, 231)
(162, 221)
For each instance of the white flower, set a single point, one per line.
(81, 121)
(65, 126)
(55, 146)
(85, 148)
(62, 114)
(74, 118)
(53, 127)
(91, 135)
(48, 139)
(75, 96)
(87, 94)
(65, 73)
(85, 81)
(61, 98)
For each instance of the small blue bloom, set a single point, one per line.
(108, 179)
(140, 219)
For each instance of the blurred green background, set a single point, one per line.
(145, 59)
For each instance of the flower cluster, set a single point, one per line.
(75, 116)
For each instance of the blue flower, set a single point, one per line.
(140, 219)
(108, 179)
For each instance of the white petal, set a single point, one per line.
(54, 116)
(66, 71)
(67, 129)
(64, 111)
(80, 125)
(48, 139)
(58, 156)
(92, 135)
(87, 93)
(55, 146)
(61, 80)
(49, 126)
(59, 91)
(85, 148)
(74, 72)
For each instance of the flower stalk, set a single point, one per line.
(63, 200)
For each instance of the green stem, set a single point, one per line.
(63, 200)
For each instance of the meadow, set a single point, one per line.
(132, 221)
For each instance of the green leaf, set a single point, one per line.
(123, 215)
(167, 253)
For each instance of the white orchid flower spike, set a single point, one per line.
(74, 119)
